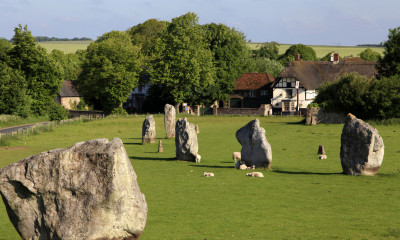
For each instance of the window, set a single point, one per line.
(310, 94)
(288, 106)
(289, 93)
(263, 92)
(289, 84)
(252, 93)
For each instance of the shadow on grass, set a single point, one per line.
(210, 166)
(305, 173)
(153, 158)
(133, 144)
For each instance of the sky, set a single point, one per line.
(310, 22)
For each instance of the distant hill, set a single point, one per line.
(51, 39)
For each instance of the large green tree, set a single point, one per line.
(109, 71)
(264, 65)
(267, 50)
(389, 65)
(5, 46)
(42, 76)
(306, 53)
(369, 55)
(68, 64)
(184, 63)
(229, 50)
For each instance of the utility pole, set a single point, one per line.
(297, 107)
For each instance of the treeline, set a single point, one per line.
(49, 39)
(382, 44)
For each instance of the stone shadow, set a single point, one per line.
(153, 158)
(211, 166)
(305, 173)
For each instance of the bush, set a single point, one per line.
(57, 112)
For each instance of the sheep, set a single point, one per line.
(322, 157)
(198, 158)
(255, 174)
(208, 174)
(236, 156)
(243, 167)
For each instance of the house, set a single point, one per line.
(136, 99)
(251, 90)
(308, 76)
(69, 96)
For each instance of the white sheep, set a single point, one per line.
(198, 158)
(243, 167)
(322, 157)
(236, 156)
(208, 174)
(255, 174)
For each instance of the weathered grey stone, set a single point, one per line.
(87, 191)
(197, 129)
(149, 130)
(186, 141)
(362, 148)
(169, 120)
(255, 148)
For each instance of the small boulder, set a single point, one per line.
(87, 191)
(255, 148)
(169, 120)
(186, 144)
(362, 147)
(149, 130)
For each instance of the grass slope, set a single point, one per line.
(301, 198)
(65, 46)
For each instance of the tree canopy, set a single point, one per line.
(267, 50)
(306, 53)
(389, 65)
(369, 55)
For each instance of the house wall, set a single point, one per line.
(66, 102)
(281, 95)
(137, 97)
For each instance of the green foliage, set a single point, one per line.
(42, 76)
(57, 112)
(366, 98)
(68, 64)
(369, 55)
(118, 111)
(267, 50)
(262, 65)
(5, 46)
(110, 70)
(306, 53)
(184, 61)
(389, 65)
(229, 50)
(13, 87)
(313, 105)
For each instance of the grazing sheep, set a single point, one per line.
(322, 157)
(255, 174)
(198, 158)
(236, 156)
(243, 167)
(208, 174)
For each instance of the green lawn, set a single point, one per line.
(301, 198)
(65, 46)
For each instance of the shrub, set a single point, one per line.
(57, 112)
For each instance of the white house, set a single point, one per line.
(137, 97)
(309, 75)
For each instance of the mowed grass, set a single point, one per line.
(301, 198)
(321, 50)
(65, 46)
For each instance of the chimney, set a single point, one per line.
(297, 57)
(336, 57)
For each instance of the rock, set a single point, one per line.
(362, 147)
(198, 158)
(321, 149)
(149, 130)
(169, 120)
(255, 148)
(186, 141)
(160, 146)
(87, 191)
(197, 129)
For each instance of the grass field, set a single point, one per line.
(65, 46)
(301, 198)
(321, 50)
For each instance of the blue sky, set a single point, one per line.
(322, 22)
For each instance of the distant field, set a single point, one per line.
(65, 46)
(321, 50)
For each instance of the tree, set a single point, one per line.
(68, 64)
(13, 88)
(229, 52)
(267, 50)
(264, 65)
(389, 65)
(5, 46)
(42, 77)
(306, 53)
(109, 71)
(184, 61)
(369, 55)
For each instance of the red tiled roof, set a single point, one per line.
(253, 81)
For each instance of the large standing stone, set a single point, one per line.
(169, 120)
(255, 148)
(362, 148)
(149, 130)
(186, 141)
(87, 191)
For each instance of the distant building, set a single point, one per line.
(310, 75)
(69, 96)
(252, 90)
(137, 97)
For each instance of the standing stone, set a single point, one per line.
(169, 120)
(186, 141)
(362, 148)
(149, 130)
(87, 191)
(197, 129)
(255, 148)
(160, 146)
(321, 150)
